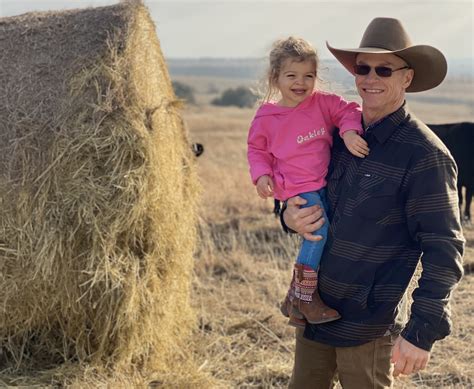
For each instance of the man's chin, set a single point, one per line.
(372, 101)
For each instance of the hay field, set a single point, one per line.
(244, 261)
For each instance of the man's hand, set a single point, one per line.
(265, 186)
(303, 220)
(355, 144)
(408, 358)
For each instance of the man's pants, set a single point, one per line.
(359, 367)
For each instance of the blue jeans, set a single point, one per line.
(310, 252)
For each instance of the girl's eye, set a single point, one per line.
(310, 76)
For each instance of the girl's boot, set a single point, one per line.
(287, 307)
(307, 299)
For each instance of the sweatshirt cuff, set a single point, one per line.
(355, 126)
(259, 173)
(420, 335)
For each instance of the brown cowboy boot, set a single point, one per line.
(298, 323)
(286, 304)
(287, 307)
(296, 319)
(307, 298)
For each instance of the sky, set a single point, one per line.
(242, 28)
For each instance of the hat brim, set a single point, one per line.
(429, 64)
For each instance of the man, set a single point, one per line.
(388, 210)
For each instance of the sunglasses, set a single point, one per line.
(381, 71)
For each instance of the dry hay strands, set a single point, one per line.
(97, 194)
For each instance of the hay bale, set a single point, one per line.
(97, 193)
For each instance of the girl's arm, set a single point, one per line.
(259, 157)
(345, 115)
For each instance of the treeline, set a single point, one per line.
(241, 96)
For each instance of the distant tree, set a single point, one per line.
(241, 97)
(184, 92)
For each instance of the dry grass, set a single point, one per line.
(243, 267)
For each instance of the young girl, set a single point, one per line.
(289, 146)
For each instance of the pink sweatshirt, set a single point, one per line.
(293, 145)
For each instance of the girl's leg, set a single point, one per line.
(306, 277)
(308, 255)
(311, 252)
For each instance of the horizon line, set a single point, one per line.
(206, 57)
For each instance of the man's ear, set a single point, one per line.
(409, 74)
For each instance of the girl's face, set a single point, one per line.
(295, 81)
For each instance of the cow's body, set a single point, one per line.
(459, 138)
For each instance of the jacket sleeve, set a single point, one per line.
(344, 115)
(433, 221)
(259, 158)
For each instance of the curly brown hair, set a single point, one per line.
(296, 49)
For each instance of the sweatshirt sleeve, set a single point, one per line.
(433, 221)
(344, 115)
(259, 158)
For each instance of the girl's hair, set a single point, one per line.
(296, 49)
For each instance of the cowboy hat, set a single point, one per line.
(387, 35)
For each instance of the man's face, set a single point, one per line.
(383, 93)
(296, 81)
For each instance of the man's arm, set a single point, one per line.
(433, 221)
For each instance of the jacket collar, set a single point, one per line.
(384, 128)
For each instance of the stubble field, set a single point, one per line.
(244, 260)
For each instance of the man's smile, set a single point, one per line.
(366, 90)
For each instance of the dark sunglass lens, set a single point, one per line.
(383, 71)
(361, 70)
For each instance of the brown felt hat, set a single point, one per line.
(387, 35)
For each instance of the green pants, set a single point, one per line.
(359, 367)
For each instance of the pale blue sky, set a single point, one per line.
(240, 28)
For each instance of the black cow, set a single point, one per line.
(459, 139)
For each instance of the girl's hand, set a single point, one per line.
(265, 187)
(355, 144)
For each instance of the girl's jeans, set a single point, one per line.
(310, 252)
